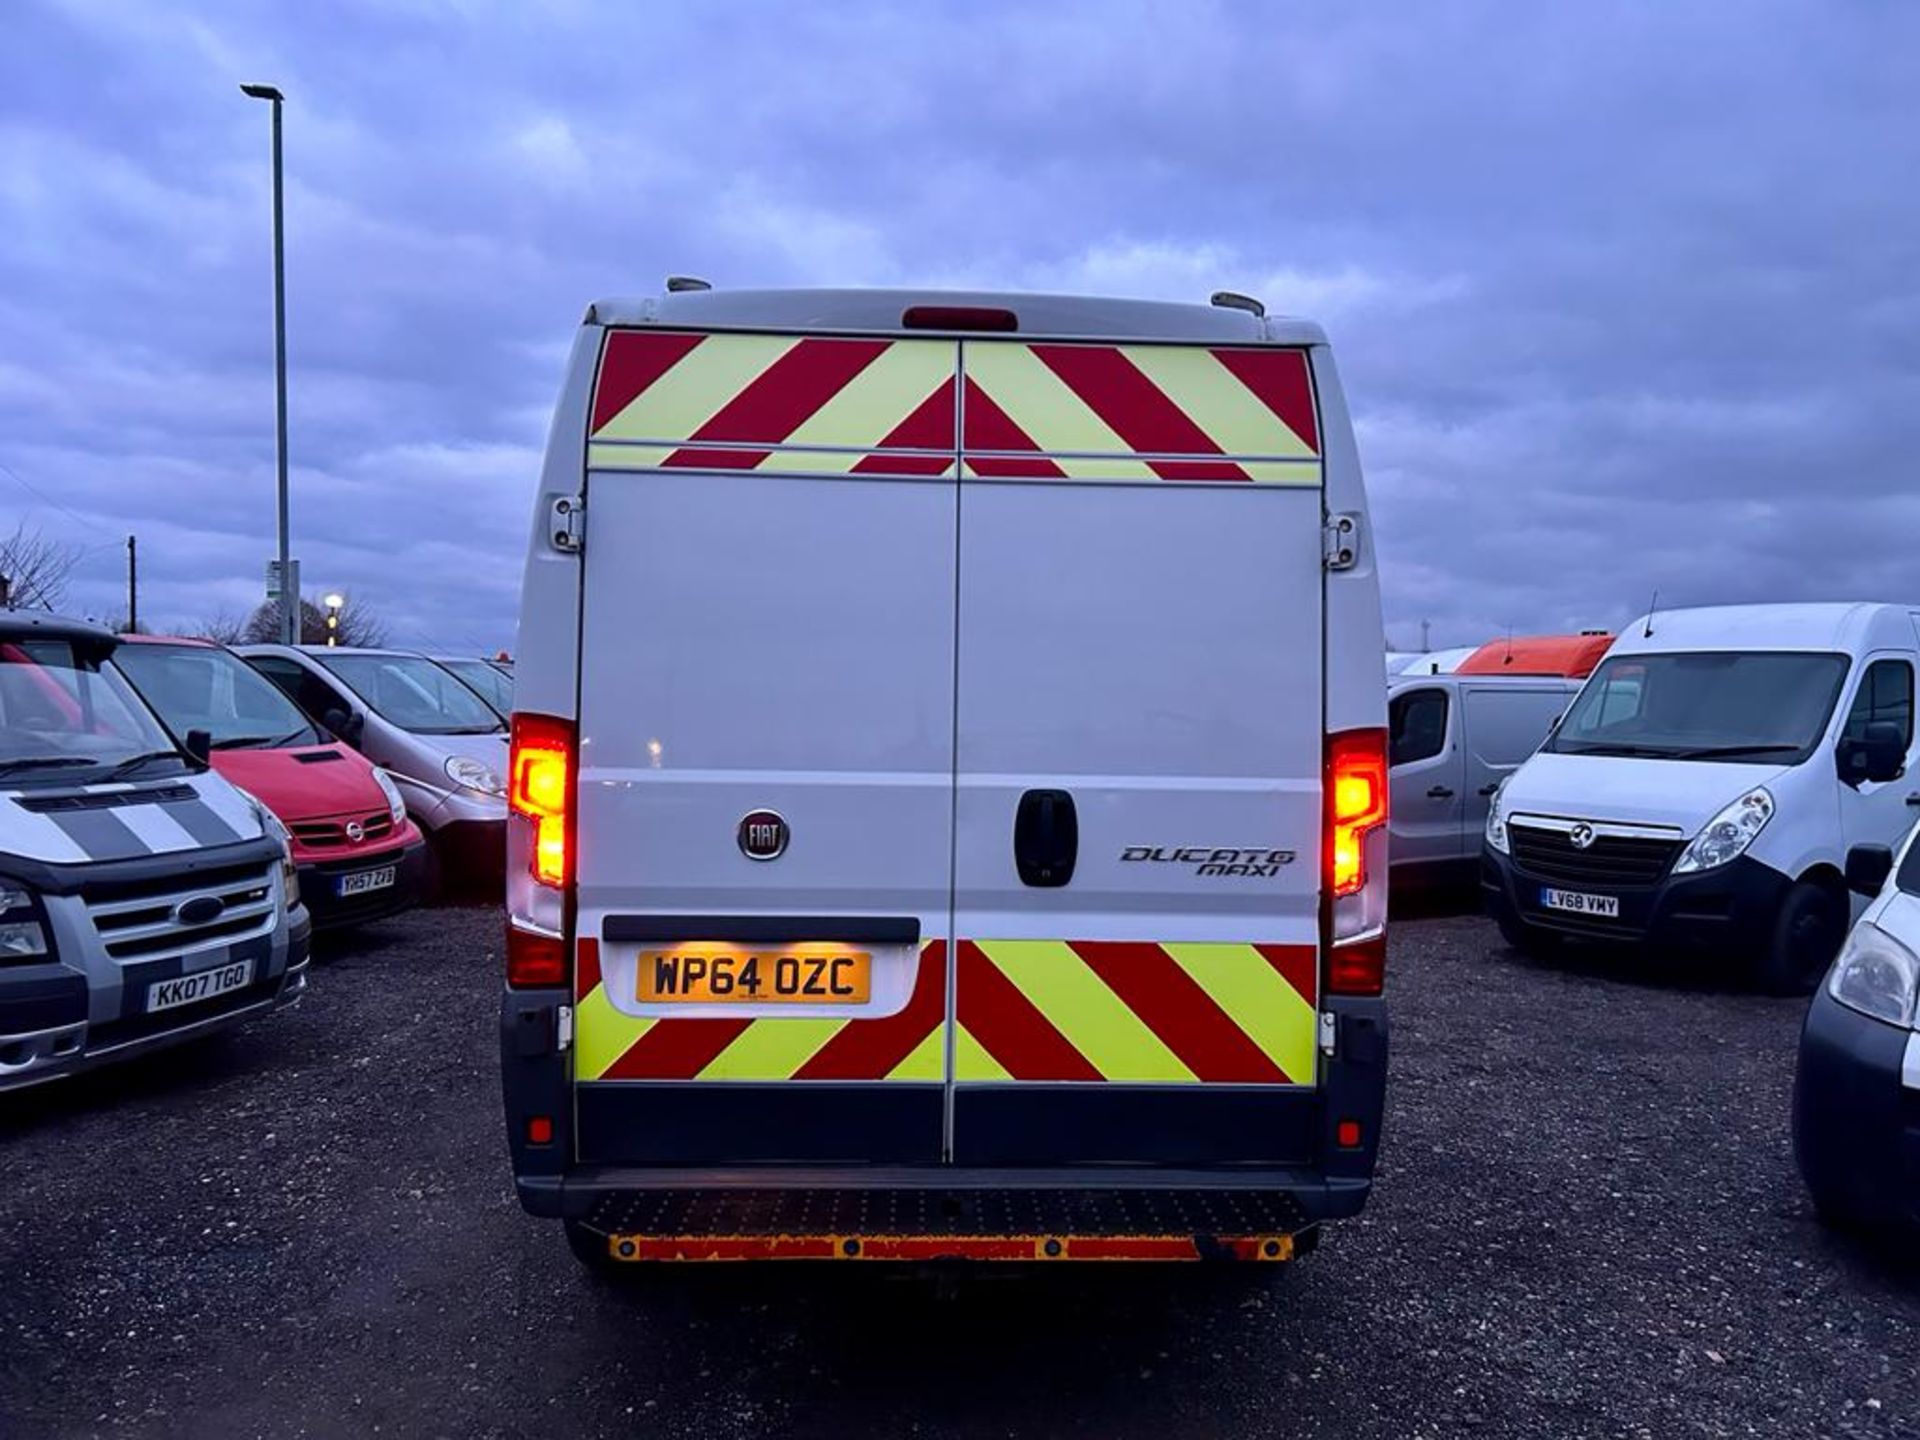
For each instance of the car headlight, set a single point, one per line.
(1497, 820)
(396, 807)
(1876, 975)
(470, 774)
(1727, 836)
(270, 825)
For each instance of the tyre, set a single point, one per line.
(1807, 934)
(1527, 939)
(590, 1248)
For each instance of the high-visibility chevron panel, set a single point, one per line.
(820, 404)
(1136, 1012)
(909, 1046)
(1066, 411)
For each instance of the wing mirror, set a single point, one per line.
(345, 724)
(200, 746)
(1867, 868)
(1878, 757)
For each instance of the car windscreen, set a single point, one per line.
(1735, 706)
(414, 693)
(201, 687)
(495, 688)
(65, 716)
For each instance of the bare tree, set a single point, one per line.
(34, 569)
(358, 625)
(223, 628)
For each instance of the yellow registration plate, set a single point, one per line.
(809, 974)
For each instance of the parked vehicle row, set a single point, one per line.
(144, 899)
(173, 826)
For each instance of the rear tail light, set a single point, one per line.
(1358, 967)
(540, 789)
(1356, 805)
(535, 960)
(1356, 863)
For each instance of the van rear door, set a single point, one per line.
(1140, 751)
(766, 750)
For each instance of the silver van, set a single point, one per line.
(1451, 740)
(443, 745)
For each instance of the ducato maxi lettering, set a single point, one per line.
(1211, 860)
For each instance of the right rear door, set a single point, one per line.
(1139, 661)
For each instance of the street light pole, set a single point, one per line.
(289, 604)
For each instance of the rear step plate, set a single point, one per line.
(922, 1224)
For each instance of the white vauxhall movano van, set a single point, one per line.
(1704, 788)
(948, 785)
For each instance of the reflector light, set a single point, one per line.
(535, 961)
(958, 317)
(540, 1130)
(1347, 1134)
(540, 787)
(1356, 804)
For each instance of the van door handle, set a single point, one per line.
(1914, 799)
(1486, 790)
(1439, 792)
(1046, 838)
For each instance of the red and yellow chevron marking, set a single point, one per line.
(907, 1046)
(1169, 1013)
(987, 409)
(827, 405)
(1139, 412)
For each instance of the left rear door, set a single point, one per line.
(767, 666)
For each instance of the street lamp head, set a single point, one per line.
(334, 602)
(263, 92)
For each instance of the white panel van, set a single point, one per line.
(1705, 786)
(948, 785)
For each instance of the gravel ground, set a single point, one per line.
(1587, 1224)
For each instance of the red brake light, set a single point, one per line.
(1356, 804)
(958, 317)
(540, 787)
(1358, 967)
(535, 961)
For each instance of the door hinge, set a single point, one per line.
(567, 524)
(562, 1029)
(1327, 1032)
(1340, 541)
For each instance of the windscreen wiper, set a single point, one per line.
(42, 762)
(133, 762)
(1710, 752)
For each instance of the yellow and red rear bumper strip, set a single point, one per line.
(641, 1248)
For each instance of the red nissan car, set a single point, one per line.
(358, 854)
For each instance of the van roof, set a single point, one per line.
(1573, 656)
(871, 311)
(1850, 626)
(42, 625)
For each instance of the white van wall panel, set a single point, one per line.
(1356, 648)
(1154, 651)
(778, 643)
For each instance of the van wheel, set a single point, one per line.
(1527, 939)
(1806, 936)
(590, 1248)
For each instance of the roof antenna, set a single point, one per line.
(1507, 659)
(1652, 605)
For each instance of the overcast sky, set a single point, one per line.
(1627, 296)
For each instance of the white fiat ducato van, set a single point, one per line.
(1704, 788)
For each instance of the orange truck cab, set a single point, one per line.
(358, 855)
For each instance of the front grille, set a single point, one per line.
(1611, 862)
(332, 834)
(150, 925)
